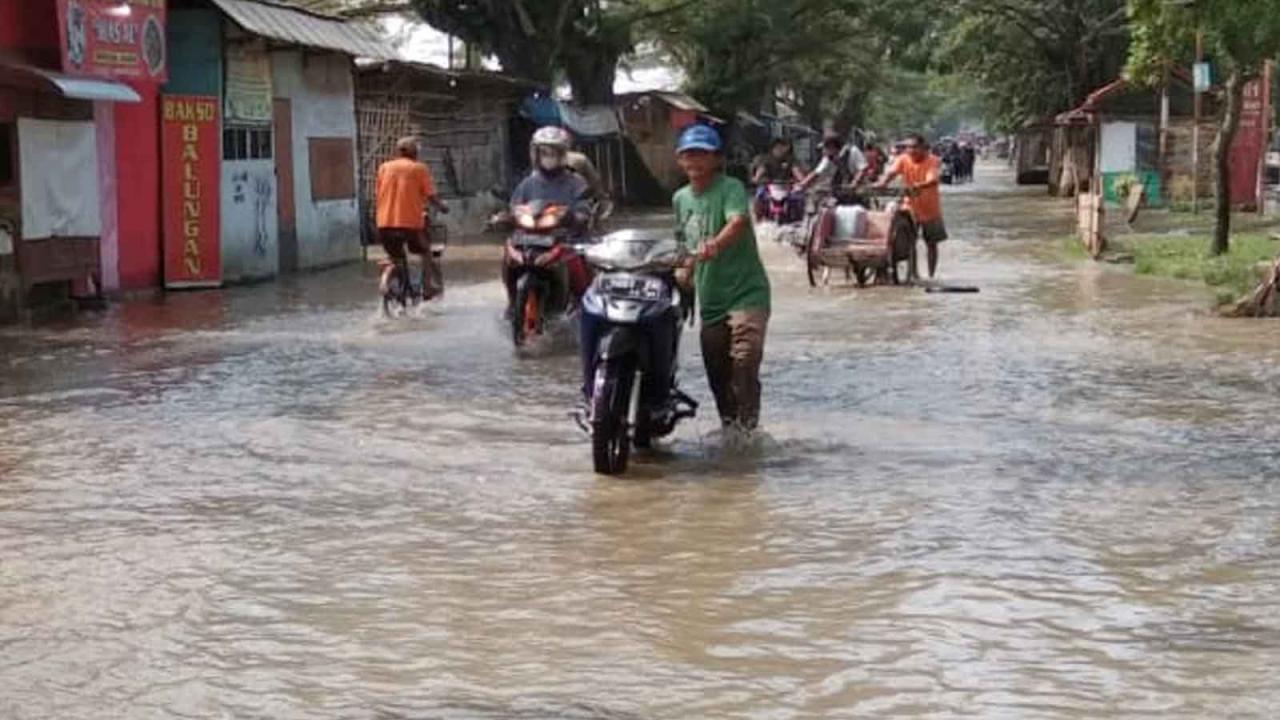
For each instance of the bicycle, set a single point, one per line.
(400, 286)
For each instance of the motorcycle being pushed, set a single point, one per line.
(548, 275)
(632, 316)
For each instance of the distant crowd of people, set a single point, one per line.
(958, 158)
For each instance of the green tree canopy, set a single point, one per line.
(1240, 35)
(1034, 57)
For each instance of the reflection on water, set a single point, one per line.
(1057, 498)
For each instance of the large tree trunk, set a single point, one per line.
(591, 76)
(1222, 158)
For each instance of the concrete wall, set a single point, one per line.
(321, 92)
(249, 222)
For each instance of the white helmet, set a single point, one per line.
(553, 137)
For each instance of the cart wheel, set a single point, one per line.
(810, 258)
(907, 275)
(904, 233)
(862, 274)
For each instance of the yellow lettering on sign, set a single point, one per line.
(191, 113)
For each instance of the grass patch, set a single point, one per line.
(1187, 258)
(1072, 248)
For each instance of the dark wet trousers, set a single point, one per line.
(732, 350)
(398, 242)
(662, 333)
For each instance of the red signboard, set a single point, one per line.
(189, 190)
(113, 38)
(1248, 149)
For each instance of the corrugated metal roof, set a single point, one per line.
(682, 101)
(288, 24)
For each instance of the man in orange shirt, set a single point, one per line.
(404, 188)
(921, 171)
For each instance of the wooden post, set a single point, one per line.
(622, 151)
(1163, 162)
(1195, 132)
(1265, 129)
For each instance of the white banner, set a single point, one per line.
(59, 161)
(248, 83)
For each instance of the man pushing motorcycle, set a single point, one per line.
(732, 287)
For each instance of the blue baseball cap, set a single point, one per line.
(698, 137)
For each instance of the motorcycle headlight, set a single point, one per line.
(633, 287)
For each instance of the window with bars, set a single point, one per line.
(246, 143)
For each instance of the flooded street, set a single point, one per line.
(1054, 499)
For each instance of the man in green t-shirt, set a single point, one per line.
(732, 287)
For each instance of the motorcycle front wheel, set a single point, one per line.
(526, 320)
(611, 401)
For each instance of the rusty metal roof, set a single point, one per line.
(680, 101)
(290, 24)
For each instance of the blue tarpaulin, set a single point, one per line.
(594, 121)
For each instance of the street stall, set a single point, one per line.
(77, 198)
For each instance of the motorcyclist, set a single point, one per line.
(551, 181)
(876, 161)
(777, 168)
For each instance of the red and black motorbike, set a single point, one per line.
(548, 275)
(782, 204)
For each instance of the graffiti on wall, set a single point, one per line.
(254, 192)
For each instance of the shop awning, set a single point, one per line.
(69, 86)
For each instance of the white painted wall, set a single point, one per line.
(1119, 147)
(322, 95)
(249, 220)
(104, 116)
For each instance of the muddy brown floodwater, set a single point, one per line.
(1054, 499)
